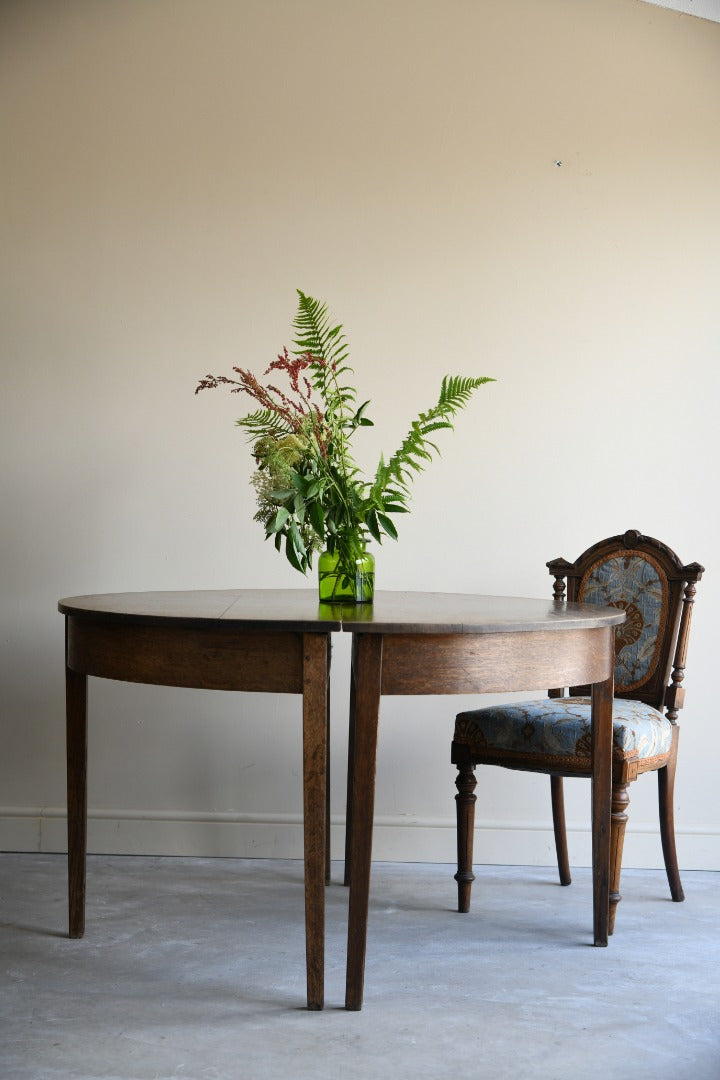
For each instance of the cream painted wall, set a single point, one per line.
(171, 172)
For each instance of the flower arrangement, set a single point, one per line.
(311, 496)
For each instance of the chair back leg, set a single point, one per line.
(666, 788)
(558, 813)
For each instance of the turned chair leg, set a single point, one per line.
(666, 787)
(558, 813)
(465, 805)
(618, 821)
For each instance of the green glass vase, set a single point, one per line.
(348, 585)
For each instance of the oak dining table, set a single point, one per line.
(278, 641)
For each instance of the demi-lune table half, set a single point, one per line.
(267, 640)
(445, 643)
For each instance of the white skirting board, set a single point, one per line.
(279, 836)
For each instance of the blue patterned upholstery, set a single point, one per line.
(636, 584)
(560, 727)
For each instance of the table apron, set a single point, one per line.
(495, 663)
(213, 658)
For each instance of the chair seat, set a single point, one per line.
(560, 727)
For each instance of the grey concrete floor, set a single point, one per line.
(193, 969)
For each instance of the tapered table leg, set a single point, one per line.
(602, 699)
(327, 765)
(315, 681)
(76, 747)
(367, 708)
(350, 761)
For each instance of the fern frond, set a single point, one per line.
(456, 390)
(316, 335)
(416, 448)
(264, 422)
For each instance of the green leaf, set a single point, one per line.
(387, 525)
(317, 518)
(292, 557)
(360, 418)
(278, 520)
(299, 504)
(372, 523)
(297, 540)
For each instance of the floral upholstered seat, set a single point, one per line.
(560, 728)
(552, 734)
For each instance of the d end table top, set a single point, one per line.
(463, 613)
(254, 609)
(299, 609)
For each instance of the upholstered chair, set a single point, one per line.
(552, 735)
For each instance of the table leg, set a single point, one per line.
(327, 765)
(315, 679)
(76, 748)
(601, 725)
(350, 760)
(367, 709)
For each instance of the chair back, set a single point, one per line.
(656, 591)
